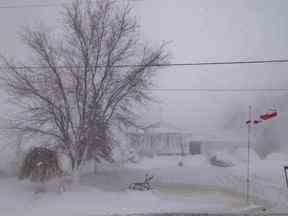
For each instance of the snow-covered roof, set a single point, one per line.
(201, 134)
(162, 127)
(218, 135)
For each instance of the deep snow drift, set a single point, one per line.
(197, 186)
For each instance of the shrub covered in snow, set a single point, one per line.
(223, 159)
(40, 165)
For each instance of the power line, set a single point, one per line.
(159, 65)
(45, 5)
(32, 6)
(227, 62)
(220, 90)
(223, 90)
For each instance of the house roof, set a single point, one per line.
(214, 135)
(162, 127)
(206, 134)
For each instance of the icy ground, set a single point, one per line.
(195, 187)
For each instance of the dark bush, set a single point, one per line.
(40, 165)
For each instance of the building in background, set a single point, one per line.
(162, 138)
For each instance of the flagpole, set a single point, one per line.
(248, 156)
(250, 124)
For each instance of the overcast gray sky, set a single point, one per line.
(199, 30)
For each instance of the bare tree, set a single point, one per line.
(85, 79)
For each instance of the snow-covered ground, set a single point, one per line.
(86, 200)
(197, 186)
(267, 181)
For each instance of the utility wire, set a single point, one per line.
(220, 90)
(184, 65)
(46, 5)
(158, 65)
(32, 6)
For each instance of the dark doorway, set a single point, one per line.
(195, 147)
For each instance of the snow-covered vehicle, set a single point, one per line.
(222, 159)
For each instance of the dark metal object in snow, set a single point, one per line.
(142, 186)
(220, 163)
(286, 178)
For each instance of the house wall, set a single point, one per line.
(150, 144)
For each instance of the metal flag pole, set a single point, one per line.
(248, 156)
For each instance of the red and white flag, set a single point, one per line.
(269, 115)
(272, 113)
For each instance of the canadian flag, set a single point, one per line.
(272, 113)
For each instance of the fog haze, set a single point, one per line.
(199, 31)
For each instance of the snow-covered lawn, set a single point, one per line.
(195, 187)
(267, 186)
(17, 199)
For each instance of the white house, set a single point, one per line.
(162, 138)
